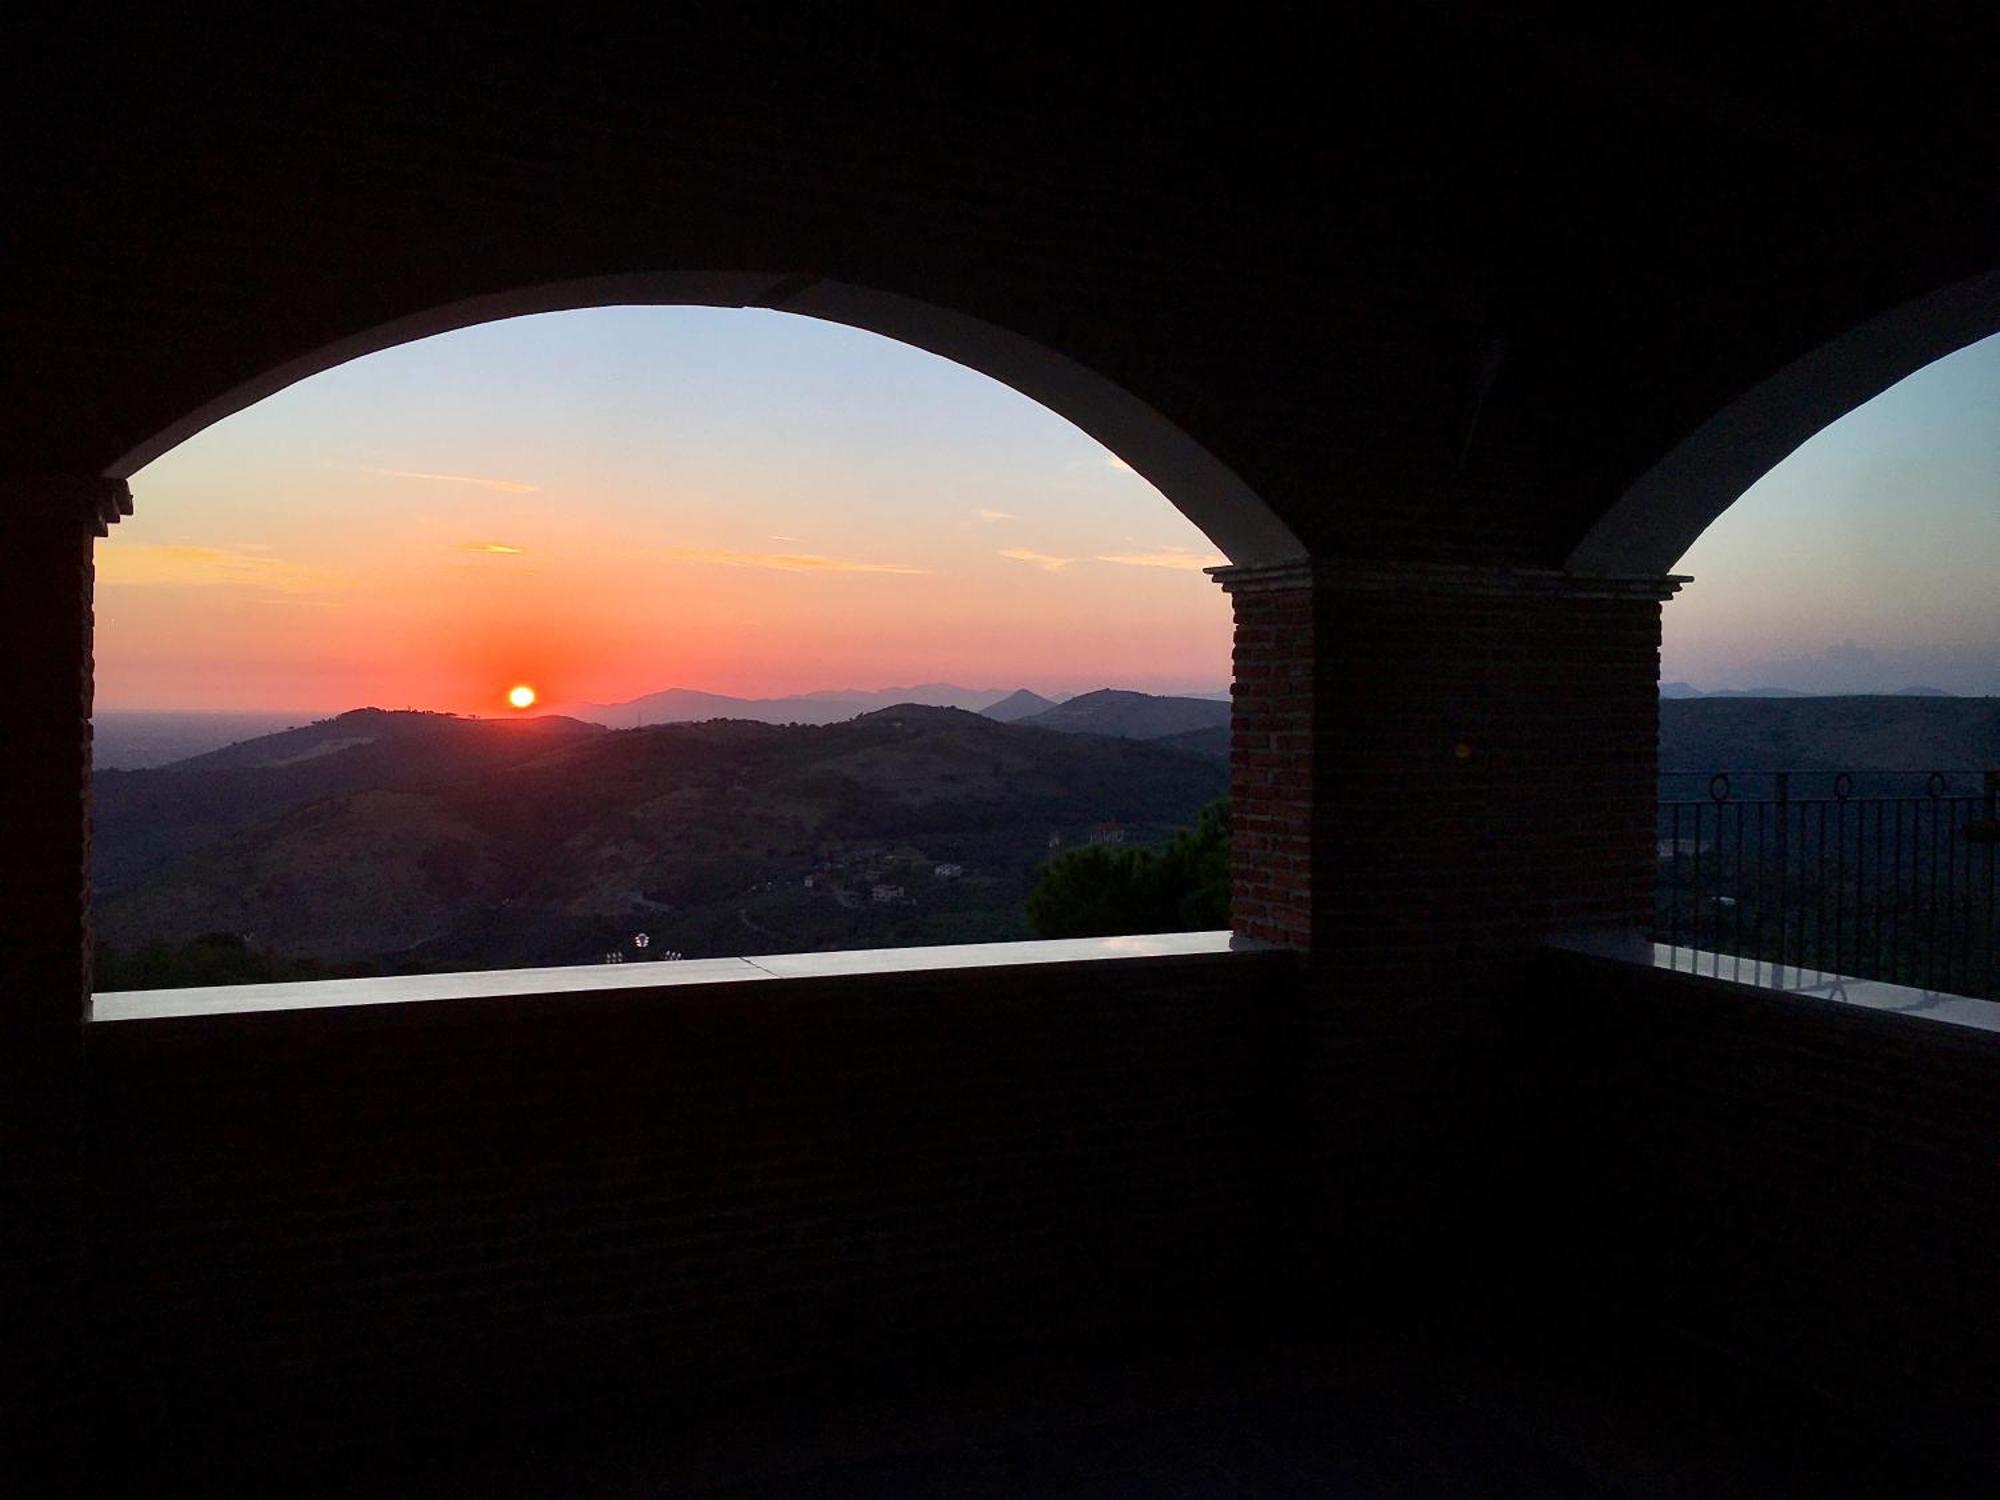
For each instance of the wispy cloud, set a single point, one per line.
(783, 562)
(1166, 557)
(1039, 559)
(1113, 461)
(995, 515)
(794, 540)
(510, 486)
(498, 549)
(211, 567)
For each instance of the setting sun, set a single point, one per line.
(521, 696)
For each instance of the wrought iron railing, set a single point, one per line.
(1875, 874)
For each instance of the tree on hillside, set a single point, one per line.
(1103, 890)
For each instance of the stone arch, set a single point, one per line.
(1201, 486)
(1654, 523)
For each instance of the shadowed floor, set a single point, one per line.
(1431, 1421)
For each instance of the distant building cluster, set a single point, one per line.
(885, 872)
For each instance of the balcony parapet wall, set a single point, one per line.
(1792, 1171)
(490, 1193)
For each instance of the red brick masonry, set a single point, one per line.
(1431, 759)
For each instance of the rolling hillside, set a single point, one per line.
(1899, 732)
(1128, 715)
(143, 820)
(428, 840)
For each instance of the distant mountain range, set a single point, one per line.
(825, 706)
(1128, 715)
(137, 741)
(408, 839)
(1889, 732)
(1018, 705)
(1687, 690)
(1116, 711)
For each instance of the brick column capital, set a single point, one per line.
(1375, 576)
(98, 502)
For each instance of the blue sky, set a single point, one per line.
(1866, 561)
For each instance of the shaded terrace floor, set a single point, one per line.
(1724, 1199)
(1427, 1413)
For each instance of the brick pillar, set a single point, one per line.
(46, 530)
(1436, 761)
(1432, 769)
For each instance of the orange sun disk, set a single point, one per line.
(521, 696)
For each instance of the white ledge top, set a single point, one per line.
(598, 979)
(1790, 979)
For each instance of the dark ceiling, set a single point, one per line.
(1440, 291)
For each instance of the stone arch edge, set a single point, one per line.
(1194, 480)
(1652, 525)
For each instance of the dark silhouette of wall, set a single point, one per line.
(1439, 298)
(1806, 1187)
(1448, 296)
(422, 1213)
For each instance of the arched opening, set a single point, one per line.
(1829, 748)
(1240, 524)
(1667, 508)
(836, 862)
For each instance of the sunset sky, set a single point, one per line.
(608, 503)
(611, 502)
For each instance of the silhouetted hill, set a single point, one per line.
(687, 706)
(1018, 705)
(142, 819)
(1213, 741)
(935, 694)
(1861, 733)
(468, 842)
(824, 706)
(134, 741)
(1128, 715)
(389, 736)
